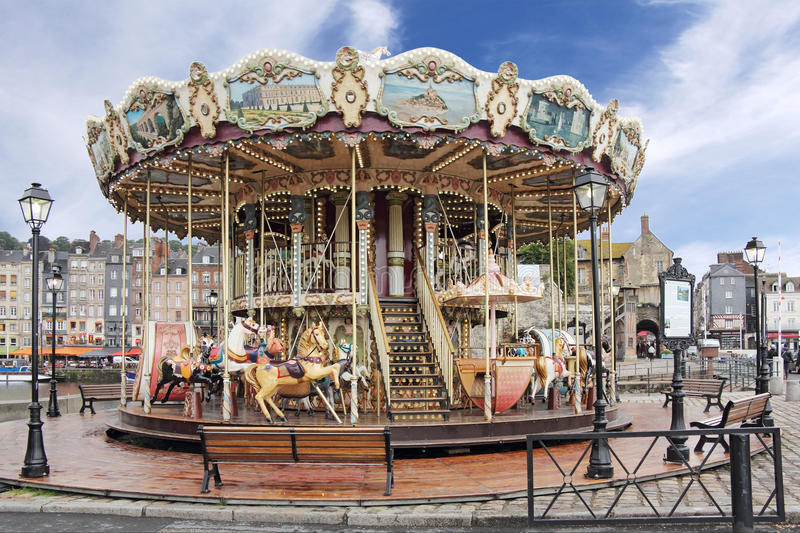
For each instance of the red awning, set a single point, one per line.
(133, 352)
(784, 334)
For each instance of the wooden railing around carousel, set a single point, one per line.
(381, 340)
(437, 327)
(275, 274)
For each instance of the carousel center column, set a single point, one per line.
(296, 219)
(341, 237)
(431, 218)
(395, 256)
(364, 216)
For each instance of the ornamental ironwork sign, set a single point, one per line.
(677, 306)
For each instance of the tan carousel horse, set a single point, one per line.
(310, 364)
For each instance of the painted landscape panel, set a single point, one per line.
(625, 150)
(413, 102)
(548, 119)
(292, 102)
(159, 122)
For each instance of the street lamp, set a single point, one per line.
(590, 191)
(213, 298)
(54, 284)
(754, 251)
(35, 204)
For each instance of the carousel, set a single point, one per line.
(368, 211)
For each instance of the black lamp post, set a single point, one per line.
(35, 204)
(590, 191)
(213, 298)
(54, 284)
(754, 251)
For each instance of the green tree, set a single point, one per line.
(8, 242)
(537, 253)
(61, 244)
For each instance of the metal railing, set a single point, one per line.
(325, 269)
(458, 263)
(381, 340)
(278, 274)
(632, 471)
(437, 328)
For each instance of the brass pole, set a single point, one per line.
(263, 280)
(611, 297)
(487, 400)
(123, 400)
(575, 256)
(514, 260)
(227, 404)
(166, 265)
(558, 276)
(146, 318)
(353, 253)
(552, 272)
(190, 284)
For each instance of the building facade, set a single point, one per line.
(721, 301)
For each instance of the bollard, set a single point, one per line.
(741, 484)
(793, 391)
(776, 385)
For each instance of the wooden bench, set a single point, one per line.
(746, 412)
(99, 393)
(710, 389)
(292, 445)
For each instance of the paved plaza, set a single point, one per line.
(498, 514)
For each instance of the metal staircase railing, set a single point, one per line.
(381, 340)
(437, 328)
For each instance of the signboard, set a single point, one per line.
(677, 308)
(729, 322)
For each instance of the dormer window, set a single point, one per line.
(206, 260)
(179, 271)
(163, 271)
(790, 287)
(775, 287)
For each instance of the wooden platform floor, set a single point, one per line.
(83, 458)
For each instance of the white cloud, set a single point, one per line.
(61, 60)
(724, 90)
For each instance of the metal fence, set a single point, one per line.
(631, 469)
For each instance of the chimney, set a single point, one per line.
(93, 240)
(645, 225)
(51, 256)
(118, 240)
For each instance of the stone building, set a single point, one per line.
(789, 311)
(117, 268)
(86, 295)
(720, 299)
(205, 278)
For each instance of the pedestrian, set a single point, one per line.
(787, 361)
(651, 351)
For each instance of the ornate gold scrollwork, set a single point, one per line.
(501, 105)
(203, 104)
(349, 90)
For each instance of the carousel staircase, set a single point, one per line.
(417, 388)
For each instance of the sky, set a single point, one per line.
(715, 84)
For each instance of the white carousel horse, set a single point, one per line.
(239, 355)
(549, 366)
(310, 364)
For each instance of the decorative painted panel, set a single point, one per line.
(429, 95)
(558, 118)
(272, 96)
(155, 119)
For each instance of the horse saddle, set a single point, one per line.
(290, 368)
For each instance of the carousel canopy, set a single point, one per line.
(279, 124)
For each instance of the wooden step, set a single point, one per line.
(404, 415)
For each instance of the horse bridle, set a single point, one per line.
(316, 345)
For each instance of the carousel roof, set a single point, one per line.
(421, 121)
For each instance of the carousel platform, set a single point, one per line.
(465, 427)
(84, 459)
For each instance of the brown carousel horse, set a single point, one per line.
(310, 364)
(184, 368)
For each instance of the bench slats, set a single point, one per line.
(739, 411)
(287, 445)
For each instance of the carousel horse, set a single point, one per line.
(240, 356)
(310, 364)
(213, 373)
(303, 392)
(547, 369)
(183, 369)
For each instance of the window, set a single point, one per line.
(115, 259)
(216, 278)
(775, 287)
(138, 297)
(27, 297)
(113, 274)
(112, 310)
(157, 286)
(100, 294)
(84, 264)
(27, 270)
(790, 306)
(138, 313)
(722, 281)
(178, 301)
(91, 310)
(177, 316)
(2, 311)
(91, 294)
(27, 312)
(138, 267)
(582, 276)
(73, 263)
(790, 322)
(776, 306)
(112, 292)
(157, 315)
(2, 295)
(73, 293)
(179, 271)
(13, 279)
(73, 309)
(179, 286)
(206, 278)
(73, 278)
(82, 326)
(733, 281)
(83, 294)
(27, 283)
(194, 277)
(163, 271)
(13, 312)
(12, 295)
(26, 327)
(100, 280)
(83, 278)
(158, 300)
(728, 324)
(790, 287)
(194, 295)
(207, 259)
(82, 310)
(91, 280)
(728, 294)
(2, 278)
(728, 309)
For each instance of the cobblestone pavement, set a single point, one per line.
(499, 514)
